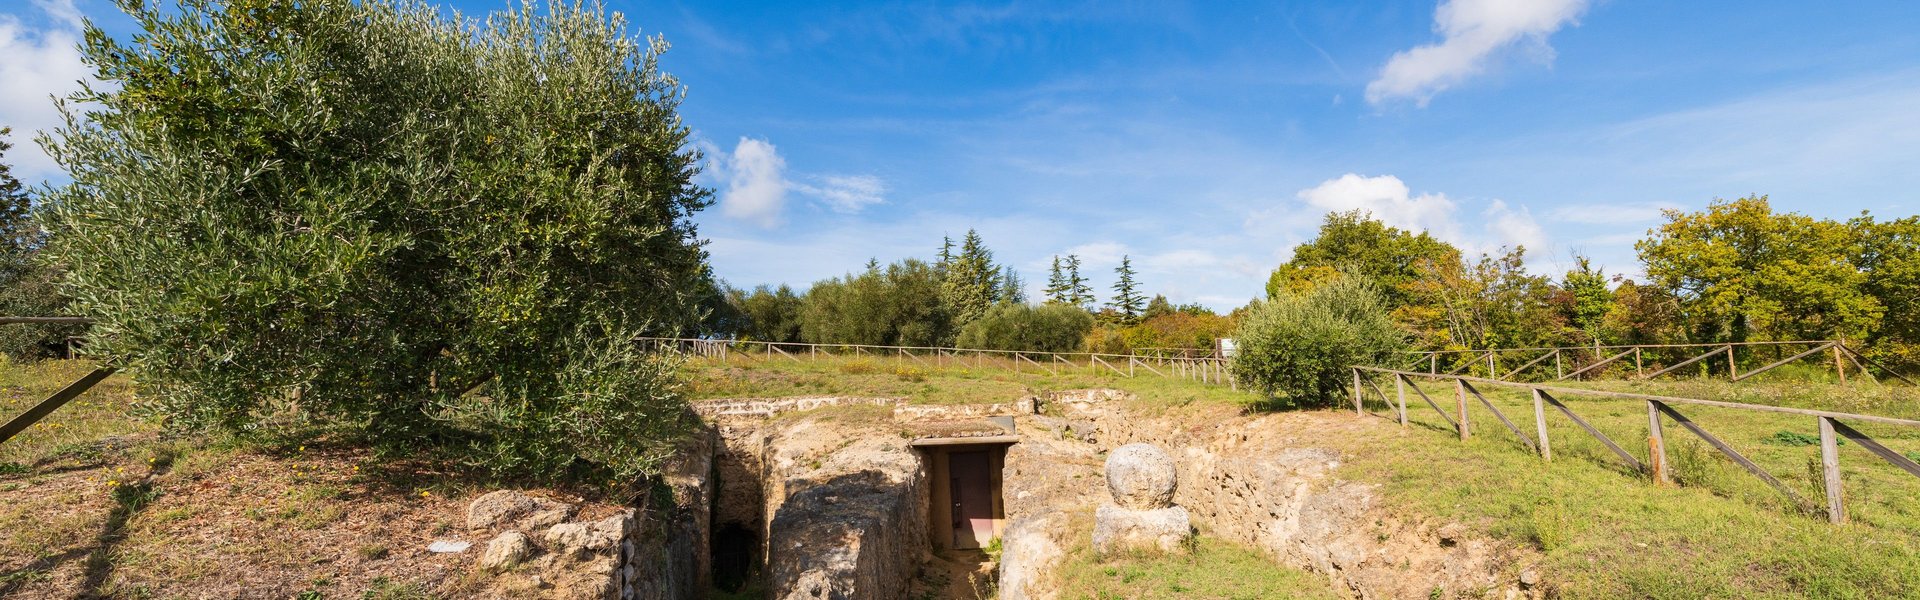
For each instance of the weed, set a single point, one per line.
(1795, 438)
(382, 588)
(134, 497)
(12, 468)
(371, 551)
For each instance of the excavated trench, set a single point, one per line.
(876, 500)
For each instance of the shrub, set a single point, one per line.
(1044, 328)
(1301, 344)
(363, 209)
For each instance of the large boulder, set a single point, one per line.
(1141, 477)
(1117, 530)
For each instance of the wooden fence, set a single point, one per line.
(1832, 426)
(1649, 360)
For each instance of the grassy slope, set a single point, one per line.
(1606, 532)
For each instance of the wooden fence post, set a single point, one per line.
(1433, 363)
(1356, 392)
(1838, 366)
(1460, 394)
(1400, 389)
(1559, 369)
(1656, 444)
(1733, 366)
(1540, 425)
(1830, 464)
(1638, 369)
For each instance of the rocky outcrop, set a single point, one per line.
(848, 513)
(540, 548)
(1260, 481)
(1032, 548)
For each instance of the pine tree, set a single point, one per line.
(1126, 292)
(1078, 293)
(1057, 288)
(946, 253)
(971, 282)
(1012, 289)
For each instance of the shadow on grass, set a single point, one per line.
(128, 500)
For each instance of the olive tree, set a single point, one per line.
(357, 212)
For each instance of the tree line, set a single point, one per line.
(963, 298)
(1736, 271)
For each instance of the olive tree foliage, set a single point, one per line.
(1302, 344)
(361, 210)
(1044, 328)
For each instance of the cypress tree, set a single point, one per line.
(1126, 292)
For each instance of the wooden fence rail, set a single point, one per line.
(1590, 360)
(1660, 409)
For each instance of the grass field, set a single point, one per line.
(1605, 531)
(923, 381)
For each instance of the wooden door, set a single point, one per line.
(971, 487)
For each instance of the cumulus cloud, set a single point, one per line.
(1390, 201)
(39, 64)
(1511, 226)
(1472, 32)
(754, 184)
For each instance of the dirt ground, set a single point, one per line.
(149, 518)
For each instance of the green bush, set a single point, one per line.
(1301, 343)
(1044, 328)
(356, 211)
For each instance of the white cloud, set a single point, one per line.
(1472, 31)
(1514, 227)
(38, 65)
(1098, 255)
(754, 184)
(1389, 200)
(845, 193)
(63, 11)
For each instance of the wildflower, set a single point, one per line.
(425, 494)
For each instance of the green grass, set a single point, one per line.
(1217, 569)
(1608, 532)
(76, 431)
(928, 381)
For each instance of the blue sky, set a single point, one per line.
(1206, 139)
